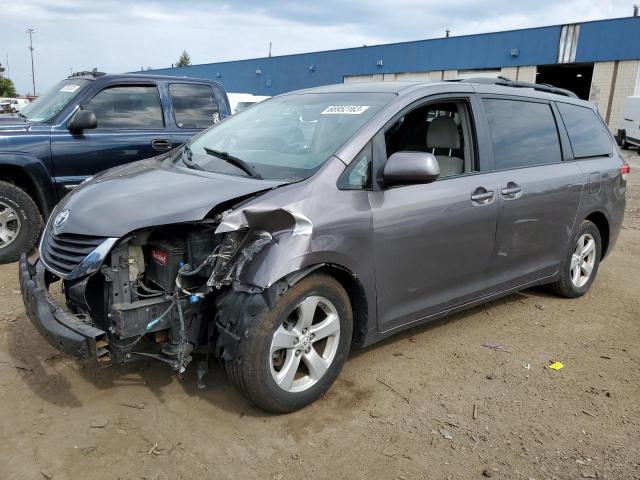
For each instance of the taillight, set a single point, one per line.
(625, 170)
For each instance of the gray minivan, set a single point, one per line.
(325, 217)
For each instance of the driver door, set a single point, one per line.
(130, 127)
(433, 242)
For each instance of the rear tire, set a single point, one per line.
(622, 140)
(20, 222)
(278, 342)
(580, 265)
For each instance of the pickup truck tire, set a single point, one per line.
(20, 222)
(275, 342)
(580, 266)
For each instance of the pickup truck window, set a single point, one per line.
(194, 106)
(127, 107)
(51, 102)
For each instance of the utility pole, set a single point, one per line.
(8, 71)
(33, 75)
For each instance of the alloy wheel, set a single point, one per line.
(304, 346)
(583, 260)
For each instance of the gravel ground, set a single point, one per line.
(430, 403)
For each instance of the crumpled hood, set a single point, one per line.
(149, 193)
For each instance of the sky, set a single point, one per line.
(120, 36)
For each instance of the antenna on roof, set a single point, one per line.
(635, 10)
(269, 49)
(447, 33)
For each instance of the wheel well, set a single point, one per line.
(357, 297)
(600, 221)
(23, 180)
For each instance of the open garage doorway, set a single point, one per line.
(575, 77)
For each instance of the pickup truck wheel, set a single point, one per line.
(20, 222)
(580, 265)
(293, 352)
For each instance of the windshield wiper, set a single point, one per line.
(189, 161)
(22, 115)
(235, 161)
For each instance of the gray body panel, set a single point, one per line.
(433, 247)
(535, 226)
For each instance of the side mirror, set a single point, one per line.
(411, 167)
(83, 120)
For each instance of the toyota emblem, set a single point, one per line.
(61, 218)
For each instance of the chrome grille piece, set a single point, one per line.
(63, 253)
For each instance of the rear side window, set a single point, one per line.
(194, 106)
(523, 133)
(586, 132)
(130, 107)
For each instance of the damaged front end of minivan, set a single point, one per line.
(164, 292)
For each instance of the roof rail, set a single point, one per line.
(506, 82)
(88, 73)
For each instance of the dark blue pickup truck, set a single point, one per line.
(85, 124)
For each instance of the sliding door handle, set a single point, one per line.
(482, 196)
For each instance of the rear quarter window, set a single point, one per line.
(587, 133)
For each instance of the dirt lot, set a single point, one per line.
(403, 409)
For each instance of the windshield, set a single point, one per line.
(51, 102)
(285, 138)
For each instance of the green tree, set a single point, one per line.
(7, 88)
(184, 59)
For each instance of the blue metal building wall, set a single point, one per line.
(617, 39)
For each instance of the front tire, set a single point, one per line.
(580, 266)
(20, 222)
(294, 352)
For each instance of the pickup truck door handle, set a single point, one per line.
(161, 144)
(482, 196)
(511, 191)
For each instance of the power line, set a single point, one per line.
(30, 31)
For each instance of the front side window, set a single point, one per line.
(587, 134)
(51, 102)
(127, 107)
(194, 106)
(288, 137)
(437, 128)
(524, 133)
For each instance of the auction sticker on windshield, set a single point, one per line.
(344, 110)
(70, 88)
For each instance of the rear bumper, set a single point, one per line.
(69, 333)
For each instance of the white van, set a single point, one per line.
(240, 101)
(13, 105)
(629, 123)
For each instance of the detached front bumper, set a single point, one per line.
(69, 333)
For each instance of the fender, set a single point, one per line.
(275, 249)
(38, 176)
